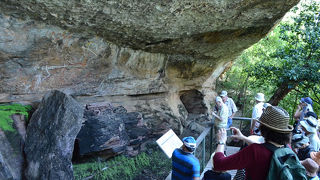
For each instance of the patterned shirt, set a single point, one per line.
(185, 166)
(232, 108)
(223, 113)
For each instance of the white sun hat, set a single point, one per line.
(310, 124)
(223, 93)
(218, 99)
(259, 97)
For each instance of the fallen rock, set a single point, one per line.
(50, 137)
(109, 131)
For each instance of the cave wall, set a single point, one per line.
(141, 55)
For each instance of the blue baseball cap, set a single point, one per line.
(190, 143)
(307, 100)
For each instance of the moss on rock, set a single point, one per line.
(6, 123)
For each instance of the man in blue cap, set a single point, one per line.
(185, 166)
(305, 106)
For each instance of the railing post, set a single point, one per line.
(203, 154)
(211, 135)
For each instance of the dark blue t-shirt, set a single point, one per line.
(185, 165)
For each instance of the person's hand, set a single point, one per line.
(215, 115)
(236, 133)
(222, 135)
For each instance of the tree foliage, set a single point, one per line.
(285, 60)
(297, 61)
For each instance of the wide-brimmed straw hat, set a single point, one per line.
(276, 119)
(310, 124)
(311, 167)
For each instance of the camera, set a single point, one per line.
(229, 132)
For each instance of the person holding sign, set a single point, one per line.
(222, 115)
(185, 166)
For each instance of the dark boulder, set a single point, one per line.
(101, 132)
(109, 131)
(50, 137)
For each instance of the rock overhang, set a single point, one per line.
(202, 29)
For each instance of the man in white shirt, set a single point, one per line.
(256, 113)
(232, 108)
(222, 115)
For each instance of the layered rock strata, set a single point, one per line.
(148, 56)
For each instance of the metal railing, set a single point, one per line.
(202, 140)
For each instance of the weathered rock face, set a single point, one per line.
(140, 54)
(50, 137)
(12, 137)
(10, 161)
(182, 27)
(109, 131)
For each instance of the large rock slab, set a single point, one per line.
(50, 137)
(109, 131)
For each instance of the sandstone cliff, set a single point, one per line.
(159, 58)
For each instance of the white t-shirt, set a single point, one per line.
(256, 113)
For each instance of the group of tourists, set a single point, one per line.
(283, 151)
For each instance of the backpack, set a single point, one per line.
(284, 164)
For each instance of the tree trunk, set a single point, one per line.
(280, 93)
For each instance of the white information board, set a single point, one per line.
(169, 142)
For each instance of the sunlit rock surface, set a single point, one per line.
(147, 56)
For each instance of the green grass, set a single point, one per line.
(126, 168)
(7, 110)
